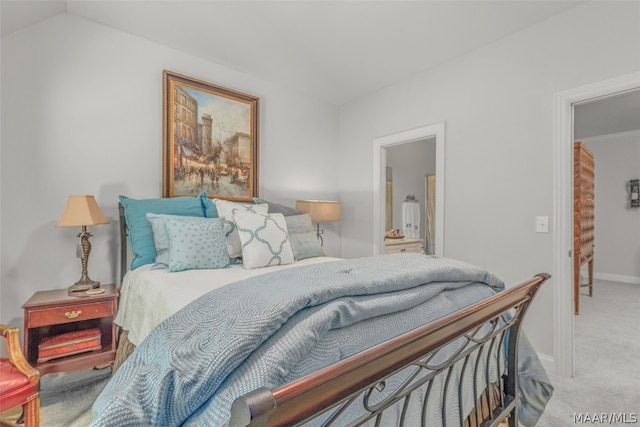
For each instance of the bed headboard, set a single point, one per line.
(124, 240)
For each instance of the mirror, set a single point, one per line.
(410, 196)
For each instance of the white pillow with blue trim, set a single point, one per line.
(226, 209)
(161, 238)
(196, 243)
(264, 239)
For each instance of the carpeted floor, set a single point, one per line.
(606, 363)
(66, 398)
(607, 368)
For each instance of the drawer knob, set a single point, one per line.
(73, 314)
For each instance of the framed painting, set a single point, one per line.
(210, 140)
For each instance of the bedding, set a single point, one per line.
(277, 207)
(148, 296)
(304, 241)
(264, 239)
(140, 231)
(226, 210)
(272, 328)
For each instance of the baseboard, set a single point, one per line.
(548, 362)
(617, 278)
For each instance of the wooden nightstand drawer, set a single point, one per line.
(71, 313)
(397, 246)
(54, 315)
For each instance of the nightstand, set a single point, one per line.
(396, 246)
(49, 314)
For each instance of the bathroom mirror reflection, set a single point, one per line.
(410, 195)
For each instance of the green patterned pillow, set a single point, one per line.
(196, 243)
(303, 238)
(264, 239)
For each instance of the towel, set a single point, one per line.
(411, 220)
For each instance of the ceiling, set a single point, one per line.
(612, 114)
(336, 51)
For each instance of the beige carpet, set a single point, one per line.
(606, 360)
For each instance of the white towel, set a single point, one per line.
(411, 220)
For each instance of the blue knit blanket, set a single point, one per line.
(273, 328)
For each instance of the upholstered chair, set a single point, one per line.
(19, 382)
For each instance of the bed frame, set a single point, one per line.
(484, 329)
(124, 244)
(355, 380)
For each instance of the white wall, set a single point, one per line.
(82, 114)
(617, 227)
(497, 103)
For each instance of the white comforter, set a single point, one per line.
(149, 296)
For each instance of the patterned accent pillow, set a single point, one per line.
(264, 238)
(140, 232)
(225, 210)
(196, 243)
(303, 237)
(161, 238)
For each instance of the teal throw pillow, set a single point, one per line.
(209, 207)
(140, 231)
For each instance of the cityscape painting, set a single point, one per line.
(210, 138)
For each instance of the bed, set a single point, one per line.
(398, 339)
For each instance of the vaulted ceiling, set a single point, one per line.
(337, 51)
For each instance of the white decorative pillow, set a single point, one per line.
(196, 243)
(264, 238)
(226, 209)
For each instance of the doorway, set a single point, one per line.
(411, 169)
(434, 133)
(563, 213)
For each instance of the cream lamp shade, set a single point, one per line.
(81, 210)
(320, 210)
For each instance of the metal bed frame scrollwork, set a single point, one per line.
(483, 330)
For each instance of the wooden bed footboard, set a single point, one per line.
(479, 333)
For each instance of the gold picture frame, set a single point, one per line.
(210, 140)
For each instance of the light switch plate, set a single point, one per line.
(542, 224)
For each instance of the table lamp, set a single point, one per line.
(320, 211)
(82, 211)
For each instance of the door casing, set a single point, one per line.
(380, 145)
(564, 103)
